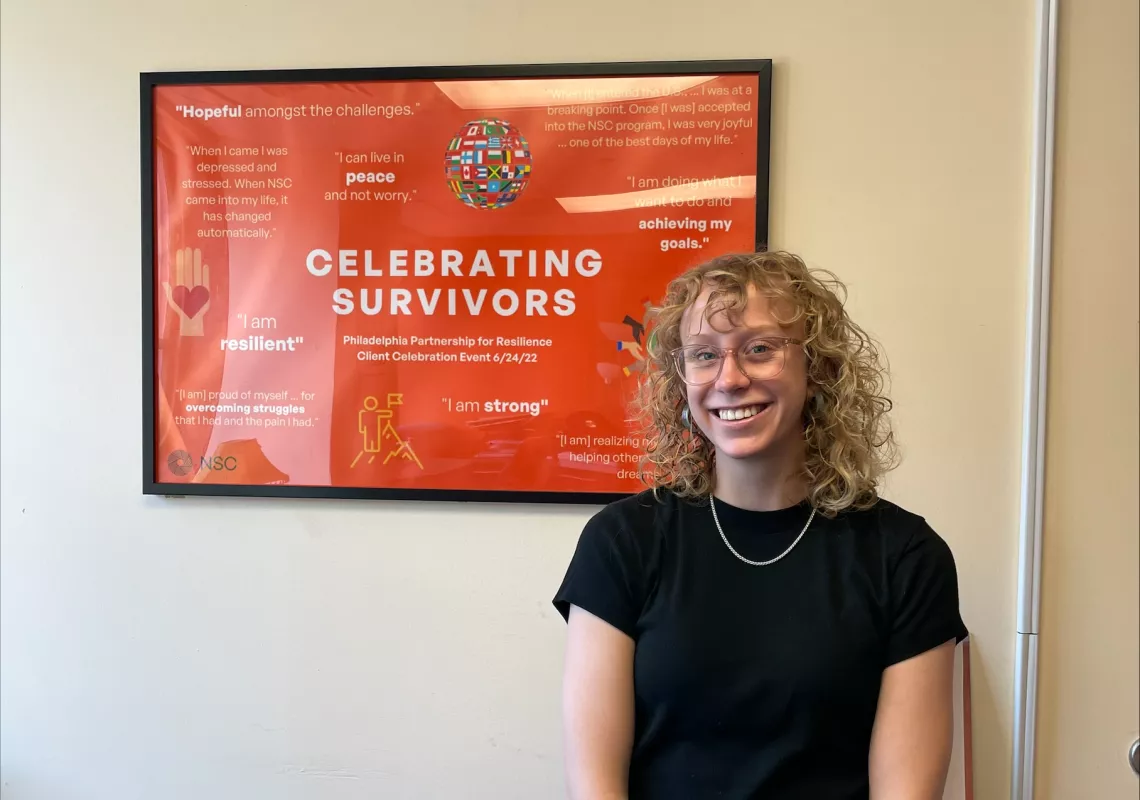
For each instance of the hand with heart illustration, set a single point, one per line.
(189, 296)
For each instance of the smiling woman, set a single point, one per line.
(825, 673)
(800, 346)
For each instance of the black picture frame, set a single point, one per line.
(149, 81)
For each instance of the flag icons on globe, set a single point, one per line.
(488, 164)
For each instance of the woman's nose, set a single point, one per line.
(731, 377)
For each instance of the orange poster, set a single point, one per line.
(426, 284)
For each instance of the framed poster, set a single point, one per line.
(426, 283)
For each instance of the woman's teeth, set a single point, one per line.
(739, 413)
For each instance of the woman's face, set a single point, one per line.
(757, 411)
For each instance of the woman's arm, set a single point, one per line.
(597, 708)
(914, 727)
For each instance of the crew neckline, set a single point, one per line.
(743, 521)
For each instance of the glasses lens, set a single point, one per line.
(762, 359)
(698, 363)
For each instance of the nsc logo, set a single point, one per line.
(181, 463)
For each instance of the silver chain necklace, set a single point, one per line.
(716, 519)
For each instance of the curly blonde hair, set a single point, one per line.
(849, 442)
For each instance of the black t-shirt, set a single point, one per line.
(760, 681)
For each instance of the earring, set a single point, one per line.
(686, 420)
(817, 401)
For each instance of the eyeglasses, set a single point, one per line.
(759, 359)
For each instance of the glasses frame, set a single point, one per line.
(785, 342)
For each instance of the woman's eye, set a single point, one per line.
(758, 348)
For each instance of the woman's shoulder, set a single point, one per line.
(898, 531)
(881, 512)
(613, 564)
(885, 518)
(643, 516)
(919, 574)
(635, 529)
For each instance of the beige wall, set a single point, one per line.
(233, 649)
(1089, 691)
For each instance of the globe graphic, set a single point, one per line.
(488, 164)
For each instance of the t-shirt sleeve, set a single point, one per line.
(924, 597)
(605, 576)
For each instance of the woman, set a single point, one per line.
(760, 623)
